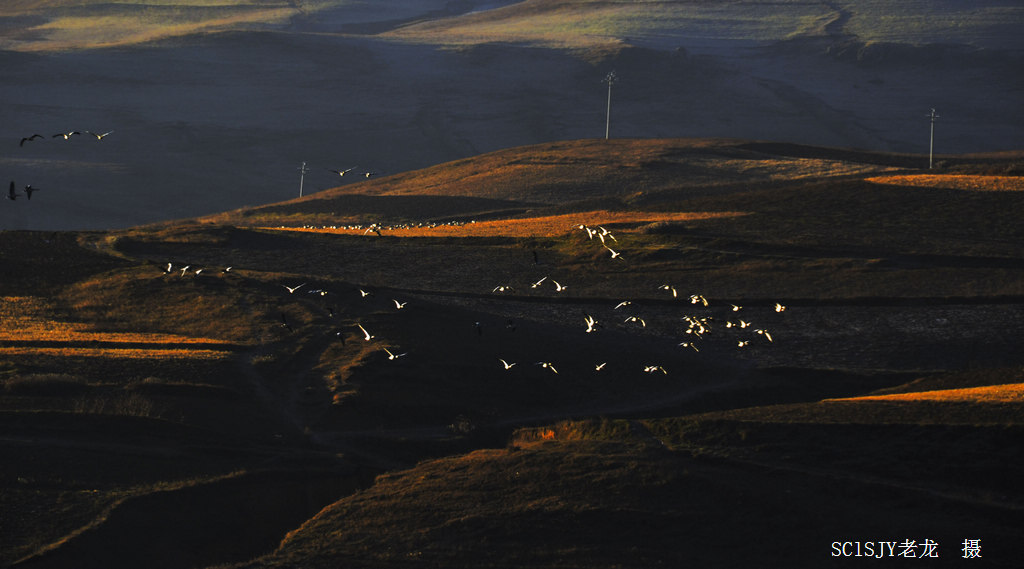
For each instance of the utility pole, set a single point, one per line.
(302, 176)
(609, 79)
(931, 137)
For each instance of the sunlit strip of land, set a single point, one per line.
(119, 24)
(546, 226)
(1008, 393)
(117, 353)
(583, 23)
(25, 320)
(955, 182)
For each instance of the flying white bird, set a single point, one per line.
(99, 136)
(636, 319)
(742, 343)
(621, 304)
(502, 288)
(765, 334)
(615, 254)
(669, 288)
(292, 289)
(343, 172)
(690, 345)
(559, 287)
(506, 364)
(366, 335)
(735, 308)
(548, 365)
(66, 135)
(537, 284)
(399, 305)
(779, 307)
(392, 356)
(600, 366)
(698, 299)
(654, 368)
(590, 322)
(364, 294)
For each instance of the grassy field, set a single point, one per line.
(589, 25)
(592, 24)
(59, 25)
(793, 346)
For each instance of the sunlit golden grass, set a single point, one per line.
(545, 226)
(586, 24)
(592, 23)
(116, 353)
(1008, 393)
(26, 319)
(127, 29)
(138, 299)
(86, 25)
(954, 182)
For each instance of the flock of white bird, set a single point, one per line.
(379, 228)
(698, 327)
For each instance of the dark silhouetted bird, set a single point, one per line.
(11, 194)
(28, 191)
(30, 139)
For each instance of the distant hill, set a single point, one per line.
(619, 174)
(571, 175)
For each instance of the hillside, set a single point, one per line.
(773, 344)
(727, 489)
(213, 105)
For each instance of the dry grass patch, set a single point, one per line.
(26, 319)
(116, 353)
(32, 330)
(954, 182)
(1010, 393)
(98, 25)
